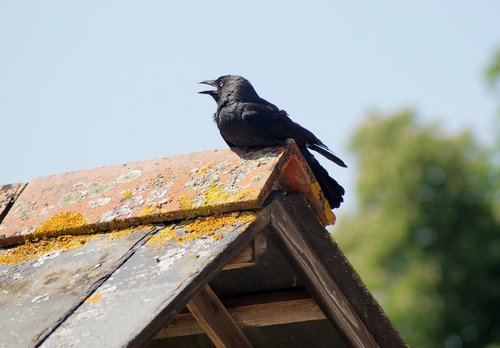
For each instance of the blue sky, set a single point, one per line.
(93, 83)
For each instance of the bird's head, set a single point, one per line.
(231, 88)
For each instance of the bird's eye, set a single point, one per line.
(221, 83)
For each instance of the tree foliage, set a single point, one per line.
(425, 238)
(493, 70)
(492, 74)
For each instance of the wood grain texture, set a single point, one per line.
(288, 231)
(282, 307)
(244, 259)
(254, 253)
(215, 320)
(341, 270)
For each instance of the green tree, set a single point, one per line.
(493, 70)
(492, 74)
(425, 238)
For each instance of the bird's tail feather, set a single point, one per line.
(331, 189)
(327, 153)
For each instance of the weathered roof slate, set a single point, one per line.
(144, 271)
(8, 194)
(159, 190)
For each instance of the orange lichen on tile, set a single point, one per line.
(329, 215)
(31, 250)
(244, 194)
(316, 189)
(331, 218)
(208, 226)
(67, 220)
(216, 236)
(34, 250)
(150, 210)
(94, 298)
(184, 203)
(162, 237)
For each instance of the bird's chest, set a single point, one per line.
(236, 131)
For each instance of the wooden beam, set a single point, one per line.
(243, 259)
(216, 321)
(283, 307)
(253, 254)
(288, 232)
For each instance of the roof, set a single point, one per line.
(8, 194)
(224, 246)
(159, 190)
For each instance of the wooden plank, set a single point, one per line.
(251, 255)
(285, 308)
(215, 320)
(243, 259)
(282, 312)
(288, 233)
(266, 297)
(340, 269)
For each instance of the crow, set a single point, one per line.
(246, 120)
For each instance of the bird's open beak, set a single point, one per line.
(210, 83)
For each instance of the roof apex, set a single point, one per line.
(159, 190)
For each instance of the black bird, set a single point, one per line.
(245, 120)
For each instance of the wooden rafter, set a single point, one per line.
(289, 232)
(250, 255)
(215, 320)
(280, 307)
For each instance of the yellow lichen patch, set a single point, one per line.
(316, 189)
(119, 233)
(150, 210)
(184, 203)
(204, 169)
(60, 222)
(126, 194)
(330, 216)
(206, 227)
(215, 195)
(244, 195)
(94, 298)
(216, 236)
(35, 250)
(162, 237)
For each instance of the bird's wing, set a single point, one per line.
(271, 122)
(275, 124)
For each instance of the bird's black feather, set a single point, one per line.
(246, 120)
